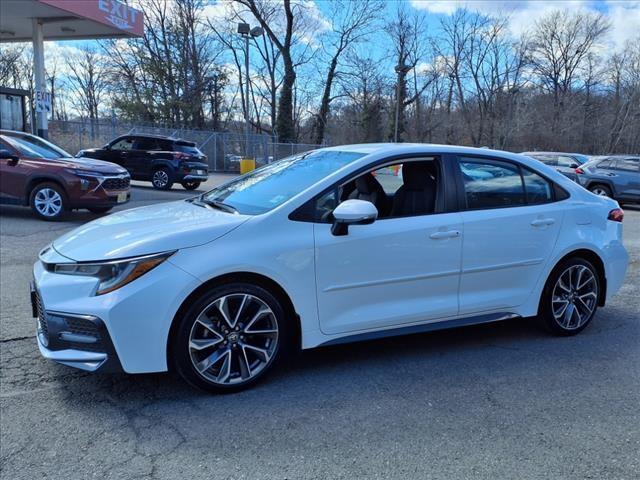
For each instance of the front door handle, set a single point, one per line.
(543, 222)
(444, 235)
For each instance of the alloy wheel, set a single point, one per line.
(575, 297)
(160, 179)
(600, 192)
(48, 202)
(233, 339)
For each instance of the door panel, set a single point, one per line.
(504, 251)
(392, 272)
(13, 179)
(510, 230)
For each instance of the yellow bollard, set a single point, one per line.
(246, 165)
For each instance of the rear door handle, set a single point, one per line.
(444, 235)
(543, 222)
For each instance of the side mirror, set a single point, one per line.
(574, 165)
(352, 212)
(7, 155)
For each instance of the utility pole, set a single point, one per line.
(247, 32)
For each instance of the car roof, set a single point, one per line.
(554, 153)
(151, 135)
(423, 148)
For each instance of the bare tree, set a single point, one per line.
(87, 80)
(560, 45)
(350, 23)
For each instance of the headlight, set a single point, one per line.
(115, 274)
(84, 173)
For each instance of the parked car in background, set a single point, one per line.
(37, 173)
(325, 247)
(616, 176)
(565, 163)
(161, 160)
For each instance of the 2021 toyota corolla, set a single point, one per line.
(335, 245)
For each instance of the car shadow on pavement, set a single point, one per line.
(329, 367)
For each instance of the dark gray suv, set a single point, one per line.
(617, 177)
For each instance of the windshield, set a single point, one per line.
(35, 147)
(272, 185)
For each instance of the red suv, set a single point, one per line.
(36, 173)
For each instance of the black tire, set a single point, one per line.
(601, 190)
(99, 210)
(554, 296)
(184, 357)
(48, 201)
(161, 179)
(191, 185)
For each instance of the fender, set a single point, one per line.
(38, 178)
(603, 181)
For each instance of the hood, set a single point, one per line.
(146, 230)
(91, 164)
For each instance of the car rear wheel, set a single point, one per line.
(48, 201)
(190, 185)
(229, 338)
(570, 298)
(601, 190)
(99, 210)
(161, 179)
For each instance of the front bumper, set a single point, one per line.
(132, 322)
(195, 178)
(80, 341)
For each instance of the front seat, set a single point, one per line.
(417, 195)
(369, 189)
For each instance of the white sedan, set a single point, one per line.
(334, 245)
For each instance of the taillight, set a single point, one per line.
(616, 215)
(579, 171)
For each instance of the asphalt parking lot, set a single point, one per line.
(493, 401)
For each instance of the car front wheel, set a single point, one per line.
(48, 201)
(161, 179)
(229, 338)
(570, 298)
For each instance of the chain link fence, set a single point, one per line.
(224, 150)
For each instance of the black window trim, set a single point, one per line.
(462, 198)
(305, 212)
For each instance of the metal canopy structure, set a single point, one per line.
(41, 20)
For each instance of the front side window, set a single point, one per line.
(490, 184)
(34, 147)
(123, 144)
(270, 186)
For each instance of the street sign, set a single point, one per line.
(43, 101)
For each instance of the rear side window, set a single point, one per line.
(148, 144)
(547, 159)
(564, 161)
(186, 147)
(537, 189)
(628, 164)
(606, 164)
(489, 184)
